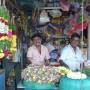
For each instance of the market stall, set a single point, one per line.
(56, 20)
(55, 78)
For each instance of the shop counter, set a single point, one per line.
(20, 86)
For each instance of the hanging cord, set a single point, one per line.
(81, 68)
(82, 8)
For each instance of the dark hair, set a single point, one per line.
(75, 35)
(36, 35)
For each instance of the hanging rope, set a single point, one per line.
(81, 68)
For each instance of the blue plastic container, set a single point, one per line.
(2, 80)
(71, 84)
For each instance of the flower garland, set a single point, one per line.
(4, 28)
(7, 39)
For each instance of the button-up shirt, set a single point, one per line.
(36, 57)
(72, 58)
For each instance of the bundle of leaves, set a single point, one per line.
(86, 71)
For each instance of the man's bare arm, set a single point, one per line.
(29, 60)
(63, 63)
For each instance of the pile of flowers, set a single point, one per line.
(42, 74)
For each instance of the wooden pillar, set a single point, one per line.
(89, 41)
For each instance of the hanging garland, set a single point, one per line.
(65, 5)
(4, 28)
(77, 24)
(7, 35)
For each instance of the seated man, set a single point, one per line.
(55, 53)
(71, 55)
(54, 50)
(38, 54)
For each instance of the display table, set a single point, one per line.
(74, 84)
(20, 86)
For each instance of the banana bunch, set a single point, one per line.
(13, 44)
(63, 70)
(13, 40)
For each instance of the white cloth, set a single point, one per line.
(36, 57)
(72, 58)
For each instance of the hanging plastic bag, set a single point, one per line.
(44, 18)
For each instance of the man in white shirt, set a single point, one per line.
(38, 54)
(71, 56)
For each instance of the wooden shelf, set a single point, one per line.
(50, 8)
